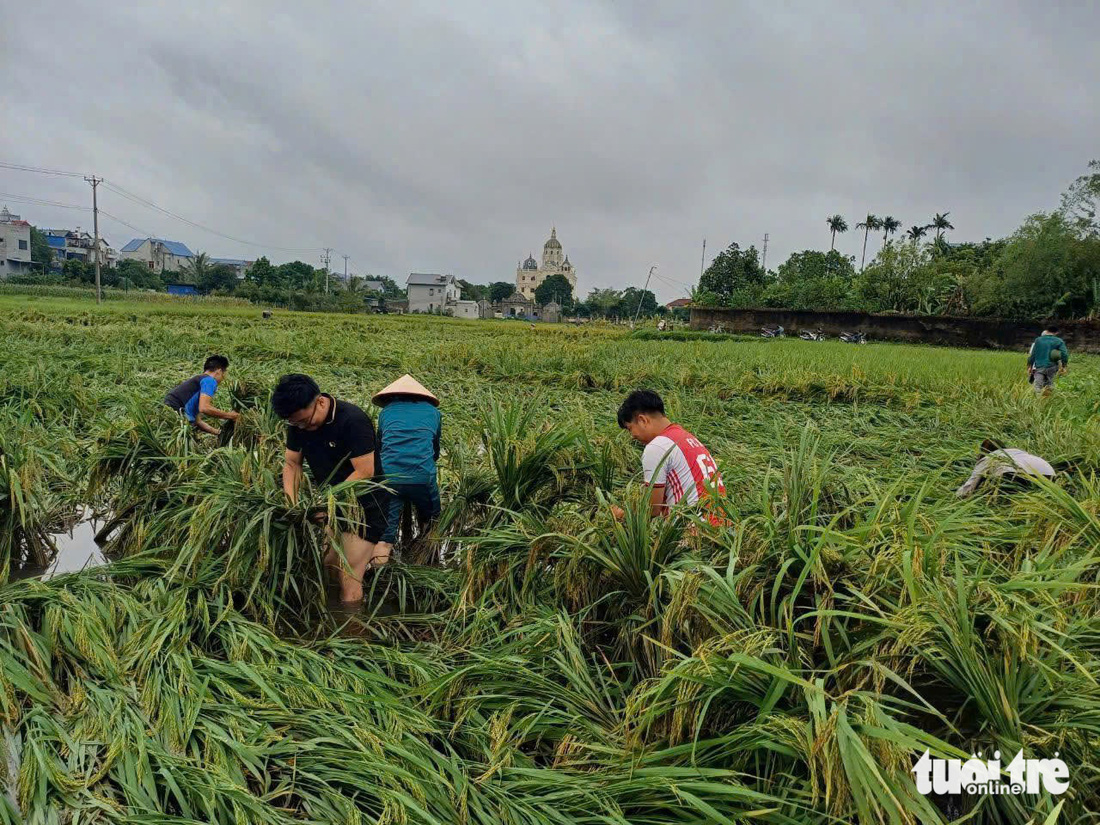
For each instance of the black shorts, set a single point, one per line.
(368, 520)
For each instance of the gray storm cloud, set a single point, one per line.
(450, 136)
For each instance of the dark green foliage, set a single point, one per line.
(41, 253)
(811, 280)
(133, 274)
(555, 288)
(499, 290)
(734, 278)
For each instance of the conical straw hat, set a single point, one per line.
(405, 385)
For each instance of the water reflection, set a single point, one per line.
(76, 550)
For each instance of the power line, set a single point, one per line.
(118, 190)
(32, 201)
(19, 167)
(138, 199)
(117, 219)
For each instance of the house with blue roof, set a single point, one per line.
(75, 244)
(158, 254)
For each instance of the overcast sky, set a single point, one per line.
(450, 136)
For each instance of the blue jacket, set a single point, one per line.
(409, 432)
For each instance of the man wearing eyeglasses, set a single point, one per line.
(337, 440)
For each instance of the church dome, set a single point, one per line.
(530, 263)
(553, 243)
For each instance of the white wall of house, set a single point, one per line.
(464, 309)
(156, 256)
(432, 298)
(15, 248)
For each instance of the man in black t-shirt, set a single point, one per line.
(336, 439)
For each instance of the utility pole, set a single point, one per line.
(764, 262)
(325, 259)
(703, 259)
(641, 297)
(346, 269)
(94, 181)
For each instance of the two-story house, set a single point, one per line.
(431, 293)
(15, 244)
(158, 254)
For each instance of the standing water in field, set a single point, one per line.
(76, 550)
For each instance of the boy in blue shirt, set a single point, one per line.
(194, 397)
(409, 428)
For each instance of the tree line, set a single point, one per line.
(295, 285)
(610, 304)
(1048, 268)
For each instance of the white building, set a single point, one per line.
(431, 293)
(529, 274)
(15, 244)
(77, 245)
(238, 265)
(463, 309)
(159, 255)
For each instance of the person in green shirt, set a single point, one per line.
(1047, 358)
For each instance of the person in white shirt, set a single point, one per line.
(998, 462)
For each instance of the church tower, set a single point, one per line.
(551, 251)
(529, 275)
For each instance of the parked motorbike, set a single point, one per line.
(812, 335)
(771, 332)
(853, 337)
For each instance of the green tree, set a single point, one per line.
(499, 290)
(941, 224)
(890, 225)
(603, 303)
(79, 272)
(630, 299)
(901, 279)
(468, 291)
(41, 254)
(390, 289)
(137, 275)
(1081, 202)
(555, 288)
(813, 280)
(915, 233)
(294, 275)
(196, 270)
(734, 278)
(219, 277)
(262, 273)
(1045, 269)
(836, 224)
(868, 224)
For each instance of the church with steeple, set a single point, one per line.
(530, 273)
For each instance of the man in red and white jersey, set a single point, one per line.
(675, 464)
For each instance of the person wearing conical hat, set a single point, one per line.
(409, 428)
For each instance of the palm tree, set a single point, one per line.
(196, 269)
(836, 224)
(917, 232)
(890, 225)
(940, 224)
(867, 224)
